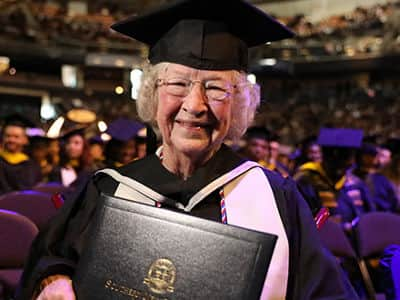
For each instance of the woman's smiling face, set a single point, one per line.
(193, 125)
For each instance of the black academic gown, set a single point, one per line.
(18, 176)
(313, 274)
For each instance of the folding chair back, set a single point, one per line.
(16, 235)
(36, 206)
(373, 233)
(334, 239)
(50, 188)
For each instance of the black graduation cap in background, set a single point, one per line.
(203, 34)
(368, 149)
(79, 130)
(38, 141)
(340, 137)
(257, 132)
(18, 120)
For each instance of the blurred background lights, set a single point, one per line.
(252, 78)
(136, 75)
(267, 62)
(4, 64)
(47, 109)
(69, 76)
(55, 128)
(105, 137)
(119, 90)
(119, 63)
(102, 126)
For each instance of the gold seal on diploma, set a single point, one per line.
(161, 276)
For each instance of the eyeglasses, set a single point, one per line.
(215, 90)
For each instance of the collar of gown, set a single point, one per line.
(13, 158)
(153, 174)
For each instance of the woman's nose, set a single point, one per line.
(196, 101)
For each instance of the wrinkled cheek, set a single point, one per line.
(221, 131)
(165, 127)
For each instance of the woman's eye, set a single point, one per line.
(212, 87)
(178, 83)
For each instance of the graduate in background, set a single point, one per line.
(122, 148)
(257, 146)
(39, 151)
(17, 170)
(330, 183)
(368, 170)
(75, 162)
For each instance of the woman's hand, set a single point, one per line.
(57, 287)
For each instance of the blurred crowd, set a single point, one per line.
(29, 160)
(51, 23)
(26, 161)
(369, 29)
(298, 109)
(340, 169)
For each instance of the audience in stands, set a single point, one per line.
(358, 32)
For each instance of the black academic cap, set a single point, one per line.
(308, 140)
(257, 132)
(18, 120)
(39, 141)
(371, 139)
(340, 137)
(275, 137)
(369, 149)
(96, 140)
(123, 129)
(203, 34)
(80, 130)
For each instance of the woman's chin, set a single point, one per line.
(192, 147)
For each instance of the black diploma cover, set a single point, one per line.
(138, 251)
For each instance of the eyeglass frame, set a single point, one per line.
(203, 83)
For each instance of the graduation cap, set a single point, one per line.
(81, 130)
(368, 149)
(96, 140)
(257, 132)
(340, 137)
(371, 139)
(203, 34)
(39, 141)
(18, 120)
(124, 129)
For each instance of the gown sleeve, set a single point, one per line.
(57, 248)
(313, 272)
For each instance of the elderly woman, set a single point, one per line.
(196, 94)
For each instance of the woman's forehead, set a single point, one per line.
(188, 72)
